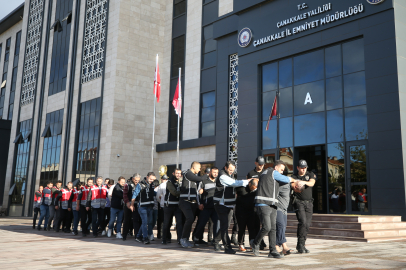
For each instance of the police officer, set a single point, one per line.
(224, 201)
(304, 204)
(85, 215)
(265, 204)
(171, 207)
(37, 205)
(96, 199)
(62, 202)
(188, 200)
(46, 201)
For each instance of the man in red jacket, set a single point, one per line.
(37, 204)
(62, 202)
(96, 199)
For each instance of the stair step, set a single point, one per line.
(353, 225)
(356, 239)
(351, 233)
(350, 218)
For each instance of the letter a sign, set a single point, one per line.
(308, 99)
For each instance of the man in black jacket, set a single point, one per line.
(188, 200)
(116, 208)
(171, 207)
(132, 219)
(206, 205)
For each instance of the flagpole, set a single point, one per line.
(179, 98)
(153, 123)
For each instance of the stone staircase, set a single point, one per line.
(352, 227)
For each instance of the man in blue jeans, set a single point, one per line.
(46, 201)
(146, 192)
(117, 209)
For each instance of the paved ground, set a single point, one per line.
(21, 247)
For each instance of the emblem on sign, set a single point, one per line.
(244, 38)
(375, 2)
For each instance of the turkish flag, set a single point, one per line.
(273, 113)
(177, 99)
(157, 81)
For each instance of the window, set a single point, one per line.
(86, 152)
(179, 8)
(60, 47)
(22, 142)
(4, 77)
(178, 55)
(208, 114)
(324, 91)
(14, 76)
(52, 134)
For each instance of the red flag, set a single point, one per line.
(272, 113)
(177, 99)
(157, 81)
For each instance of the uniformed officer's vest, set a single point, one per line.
(147, 194)
(55, 193)
(224, 192)
(85, 192)
(65, 198)
(268, 188)
(188, 190)
(207, 198)
(75, 193)
(37, 200)
(47, 196)
(99, 195)
(171, 200)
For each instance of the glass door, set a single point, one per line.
(357, 177)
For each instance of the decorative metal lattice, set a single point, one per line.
(233, 110)
(32, 51)
(95, 37)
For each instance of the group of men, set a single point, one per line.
(258, 203)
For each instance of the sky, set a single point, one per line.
(6, 6)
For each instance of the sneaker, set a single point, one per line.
(139, 239)
(242, 248)
(75, 233)
(229, 251)
(118, 236)
(255, 248)
(95, 235)
(275, 254)
(305, 250)
(109, 231)
(222, 247)
(146, 241)
(84, 235)
(104, 233)
(164, 242)
(216, 247)
(169, 241)
(151, 237)
(184, 243)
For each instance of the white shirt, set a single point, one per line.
(160, 193)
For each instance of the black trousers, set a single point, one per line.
(235, 225)
(160, 221)
(246, 218)
(169, 212)
(205, 215)
(189, 210)
(97, 219)
(34, 220)
(85, 219)
(59, 219)
(106, 218)
(131, 221)
(304, 213)
(67, 217)
(267, 215)
(224, 214)
(210, 233)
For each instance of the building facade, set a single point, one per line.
(77, 89)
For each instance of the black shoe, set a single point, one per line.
(57, 230)
(84, 235)
(138, 239)
(305, 250)
(95, 235)
(234, 240)
(67, 231)
(146, 241)
(124, 238)
(229, 251)
(202, 242)
(275, 254)
(255, 248)
(75, 233)
(169, 241)
(47, 229)
(216, 247)
(33, 226)
(262, 245)
(159, 236)
(163, 242)
(39, 228)
(300, 249)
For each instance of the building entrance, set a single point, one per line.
(316, 161)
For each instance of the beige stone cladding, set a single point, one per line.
(192, 70)
(140, 31)
(225, 6)
(187, 156)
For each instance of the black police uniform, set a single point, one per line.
(304, 209)
(171, 209)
